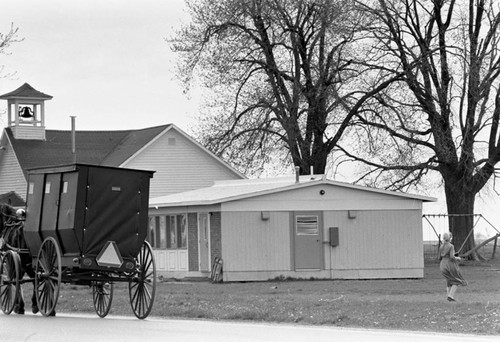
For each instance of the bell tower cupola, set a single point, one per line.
(26, 112)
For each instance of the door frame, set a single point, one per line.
(207, 256)
(293, 234)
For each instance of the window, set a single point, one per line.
(172, 233)
(162, 233)
(182, 231)
(153, 231)
(307, 225)
(168, 232)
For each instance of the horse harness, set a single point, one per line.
(11, 236)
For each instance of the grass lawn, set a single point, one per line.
(387, 304)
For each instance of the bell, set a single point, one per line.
(25, 112)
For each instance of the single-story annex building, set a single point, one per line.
(298, 227)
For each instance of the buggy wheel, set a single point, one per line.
(48, 276)
(142, 287)
(10, 269)
(102, 295)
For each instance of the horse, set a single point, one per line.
(11, 232)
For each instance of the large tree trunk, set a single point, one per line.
(315, 163)
(307, 167)
(460, 205)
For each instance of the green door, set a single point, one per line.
(308, 240)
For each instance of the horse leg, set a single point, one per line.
(19, 302)
(28, 268)
(34, 305)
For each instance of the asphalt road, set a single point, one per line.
(93, 329)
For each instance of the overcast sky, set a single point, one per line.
(104, 61)
(107, 63)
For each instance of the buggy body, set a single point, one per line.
(85, 225)
(85, 208)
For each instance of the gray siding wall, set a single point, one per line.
(375, 244)
(252, 244)
(376, 240)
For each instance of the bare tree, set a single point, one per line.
(284, 73)
(6, 40)
(444, 115)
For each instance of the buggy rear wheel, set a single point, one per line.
(102, 295)
(142, 287)
(10, 269)
(48, 276)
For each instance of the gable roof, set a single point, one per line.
(24, 92)
(106, 148)
(13, 199)
(195, 143)
(110, 148)
(226, 191)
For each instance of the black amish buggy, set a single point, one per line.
(84, 225)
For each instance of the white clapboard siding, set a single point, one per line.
(377, 239)
(180, 165)
(29, 132)
(10, 171)
(252, 244)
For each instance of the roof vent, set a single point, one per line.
(297, 174)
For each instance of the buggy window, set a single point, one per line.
(31, 188)
(47, 188)
(65, 187)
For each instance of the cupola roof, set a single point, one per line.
(25, 92)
